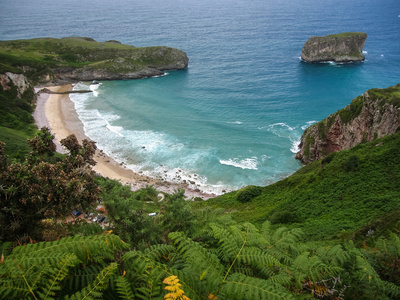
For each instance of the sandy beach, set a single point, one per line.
(57, 112)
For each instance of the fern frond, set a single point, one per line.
(95, 290)
(333, 255)
(239, 286)
(283, 278)
(287, 240)
(311, 267)
(198, 258)
(195, 287)
(86, 248)
(81, 277)
(145, 272)
(123, 288)
(392, 290)
(160, 252)
(229, 244)
(258, 259)
(254, 238)
(56, 275)
(266, 230)
(365, 272)
(282, 257)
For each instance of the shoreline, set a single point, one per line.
(56, 110)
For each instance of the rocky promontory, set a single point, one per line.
(343, 47)
(372, 115)
(58, 61)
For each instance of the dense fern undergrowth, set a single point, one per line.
(329, 231)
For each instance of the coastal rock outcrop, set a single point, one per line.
(343, 47)
(127, 66)
(372, 115)
(57, 61)
(10, 80)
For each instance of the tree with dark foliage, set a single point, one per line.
(36, 189)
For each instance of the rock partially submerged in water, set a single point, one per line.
(342, 47)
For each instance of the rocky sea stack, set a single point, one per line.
(342, 47)
(372, 115)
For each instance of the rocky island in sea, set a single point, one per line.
(342, 47)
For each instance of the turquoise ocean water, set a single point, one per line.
(235, 116)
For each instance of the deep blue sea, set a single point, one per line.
(235, 116)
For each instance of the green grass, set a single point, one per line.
(346, 34)
(16, 142)
(326, 198)
(44, 55)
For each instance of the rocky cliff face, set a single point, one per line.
(10, 80)
(374, 114)
(343, 47)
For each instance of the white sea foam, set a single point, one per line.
(162, 75)
(236, 122)
(94, 87)
(295, 146)
(265, 157)
(281, 130)
(282, 125)
(247, 163)
(116, 129)
(365, 52)
(308, 124)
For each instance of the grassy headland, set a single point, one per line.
(68, 59)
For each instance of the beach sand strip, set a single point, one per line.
(57, 112)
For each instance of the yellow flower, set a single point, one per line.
(174, 288)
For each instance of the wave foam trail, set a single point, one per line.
(283, 125)
(281, 130)
(116, 129)
(248, 163)
(308, 124)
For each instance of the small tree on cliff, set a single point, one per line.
(35, 189)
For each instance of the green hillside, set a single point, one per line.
(44, 59)
(338, 195)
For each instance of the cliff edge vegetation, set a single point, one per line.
(54, 61)
(342, 47)
(372, 115)
(352, 194)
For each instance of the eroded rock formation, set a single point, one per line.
(343, 47)
(373, 115)
(8, 80)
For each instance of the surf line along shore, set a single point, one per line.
(56, 110)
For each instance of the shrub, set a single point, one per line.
(352, 163)
(282, 217)
(248, 193)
